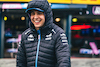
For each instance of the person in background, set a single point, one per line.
(43, 44)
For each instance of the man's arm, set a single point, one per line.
(21, 56)
(62, 51)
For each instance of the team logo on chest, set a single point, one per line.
(30, 37)
(48, 37)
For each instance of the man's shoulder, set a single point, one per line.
(26, 31)
(58, 29)
(59, 32)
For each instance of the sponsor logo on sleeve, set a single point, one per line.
(64, 39)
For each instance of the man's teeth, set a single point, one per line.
(36, 21)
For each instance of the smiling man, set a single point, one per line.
(43, 44)
(37, 18)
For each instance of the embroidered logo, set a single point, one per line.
(64, 39)
(48, 37)
(54, 31)
(30, 37)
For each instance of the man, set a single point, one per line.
(43, 44)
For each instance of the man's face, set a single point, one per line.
(37, 18)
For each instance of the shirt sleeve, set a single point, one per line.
(62, 51)
(21, 56)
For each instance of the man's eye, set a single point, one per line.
(32, 13)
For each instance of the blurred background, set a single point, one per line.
(80, 20)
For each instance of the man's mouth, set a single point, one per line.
(37, 21)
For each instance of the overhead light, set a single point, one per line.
(80, 13)
(74, 19)
(5, 18)
(87, 12)
(22, 18)
(57, 19)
